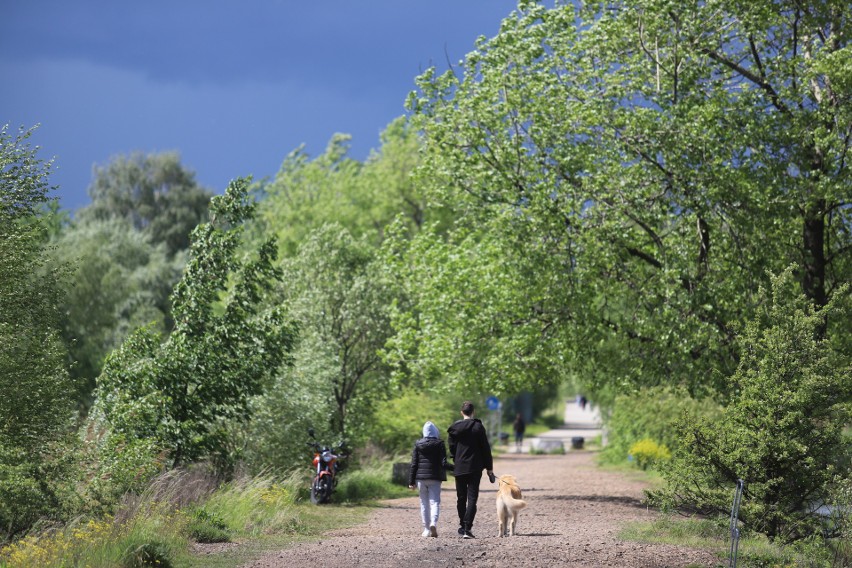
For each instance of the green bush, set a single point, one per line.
(207, 527)
(36, 485)
(650, 413)
(368, 484)
(148, 554)
(840, 529)
(22, 501)
(782, 432)
(120, 465)
(399, 422)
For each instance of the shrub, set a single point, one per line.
(647, 453)
(37, 485)
(148, 554)
(650, 413)
(399, 422)
(367, 484)
(840, 530)
(782, 432)
(119, 466)
(207, 527)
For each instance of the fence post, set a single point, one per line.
(735, 531)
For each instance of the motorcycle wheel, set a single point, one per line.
(320, 492)
(315, 494)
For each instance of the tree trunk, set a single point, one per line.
(813, 264)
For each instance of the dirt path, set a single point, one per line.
(574, 514)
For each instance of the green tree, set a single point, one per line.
(298, 399)
(660, 157)
(783, 431)
(186, 391)
(386, 187)
(120, 281)
(35, 393)
(154, 192)
(334, 188)
(463, 319)
(337, 292)
(329, 213)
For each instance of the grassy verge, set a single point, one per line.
(232, 525)
(314, 522)
(754, 551)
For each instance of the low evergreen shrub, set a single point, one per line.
(782, 432)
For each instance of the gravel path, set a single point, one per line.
(574, 513)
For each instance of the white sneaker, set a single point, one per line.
(433, 532)
(426, 532)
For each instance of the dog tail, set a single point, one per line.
(513, 503)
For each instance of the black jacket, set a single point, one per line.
(427, 460)
(469, 447)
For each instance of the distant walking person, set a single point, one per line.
(428, 460)
(519, 426)
(471, 454)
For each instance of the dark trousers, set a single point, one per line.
(467, 493)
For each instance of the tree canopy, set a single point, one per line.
(36, 402)
(186, 391)
(119, 281)
(153, 192)
(362, 197)
(641, 166)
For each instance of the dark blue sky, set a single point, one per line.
(232, 86)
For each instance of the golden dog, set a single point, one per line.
(508, 504)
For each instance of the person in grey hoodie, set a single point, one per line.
(428, 462)
(471, 453)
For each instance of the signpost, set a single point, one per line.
(735, 531)
(495, 419)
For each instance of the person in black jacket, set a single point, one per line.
(519, 426)
(471, 454)
(428, 460)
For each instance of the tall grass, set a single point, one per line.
(154, 539)
(259, 505)
(369, 483)
(157, 527)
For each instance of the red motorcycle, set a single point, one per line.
(326, 468)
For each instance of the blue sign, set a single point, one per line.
(492, 402)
